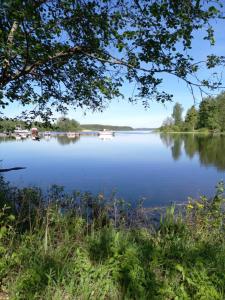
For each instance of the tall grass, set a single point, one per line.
(83, 247)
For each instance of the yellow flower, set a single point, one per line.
(190, 206)
(200, 205)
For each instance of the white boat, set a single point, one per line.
(105, 132)
(23, 133)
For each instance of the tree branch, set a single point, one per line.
(6, 61)
(30, 69)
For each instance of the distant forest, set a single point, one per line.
(62, 124)
(101, 127)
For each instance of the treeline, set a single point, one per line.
(210, 116)
(62, 124)
(101, 127)
(9, 125)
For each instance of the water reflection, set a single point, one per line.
(176, 148)
(3, 139)
(210, 149)
(10, 139)
(106, 138)
(62, 139)
(65, 140)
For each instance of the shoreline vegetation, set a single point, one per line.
(79, 246)
(208, 118)
(61, 125)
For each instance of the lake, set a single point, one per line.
(161, 168)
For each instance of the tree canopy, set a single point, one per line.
(65, 124)
(55, 53)
(191, 118)
(208, 116)
(177, 114)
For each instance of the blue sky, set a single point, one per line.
(120, 112)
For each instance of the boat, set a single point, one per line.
(21, 132)
(105, 132)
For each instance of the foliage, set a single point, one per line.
(58, 53)
(84, 247)
(208, 114)
(62, 124)
(65, 124)
(209, 117)
(177, 114)
(220, 111)
(191, 119)
(9, 125)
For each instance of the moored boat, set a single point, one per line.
(105, 132)
(21, 132)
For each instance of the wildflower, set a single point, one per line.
(200, 205)
(190, 206)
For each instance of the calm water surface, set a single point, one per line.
(161, 168)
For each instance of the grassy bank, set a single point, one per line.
(78, 246)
